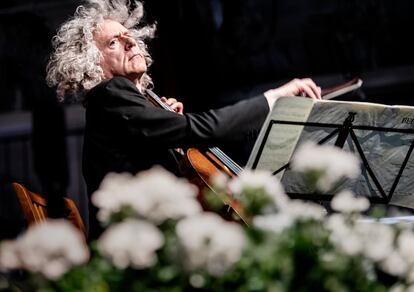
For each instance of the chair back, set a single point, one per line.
(34, 207)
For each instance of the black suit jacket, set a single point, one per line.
(126, 133)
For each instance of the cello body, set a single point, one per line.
(199, 168)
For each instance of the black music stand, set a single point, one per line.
(344, 133)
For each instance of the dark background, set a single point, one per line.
(211, 52)
(207, 53)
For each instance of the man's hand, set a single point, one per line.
(296, 87)
(176, 106)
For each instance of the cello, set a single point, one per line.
(199, 166)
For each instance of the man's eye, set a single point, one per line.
(112, 43)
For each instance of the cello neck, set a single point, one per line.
(157, 100)
(219, 154)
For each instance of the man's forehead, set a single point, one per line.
(110, 28)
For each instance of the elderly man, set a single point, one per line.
(101, 59)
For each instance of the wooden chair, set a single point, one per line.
(34, 208)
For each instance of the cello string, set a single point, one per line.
(236, 169)
(229, 159)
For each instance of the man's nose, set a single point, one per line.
(129, 42)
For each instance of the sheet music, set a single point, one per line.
(384, 149)
(282, 139)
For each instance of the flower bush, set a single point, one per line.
(157, 238)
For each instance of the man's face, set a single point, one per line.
(120, 53)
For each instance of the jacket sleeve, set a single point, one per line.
(148, 124)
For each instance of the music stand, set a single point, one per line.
(377, 186)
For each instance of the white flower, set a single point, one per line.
(210, 243)
(410, 275)
(343, 236)
(395, 264)
(220, 180)
(292, 211)
(9, 258)
(377, 239)
(115, 191)
(131, 243)
(301, 210)
(51, 248)
(155, 194)
(405, 245)
(398, 288)
(273, 222)
(258, 180)
(346, 202)
(371, 240)
(197, 280)
(332, 162)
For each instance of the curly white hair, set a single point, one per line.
(74, 65)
